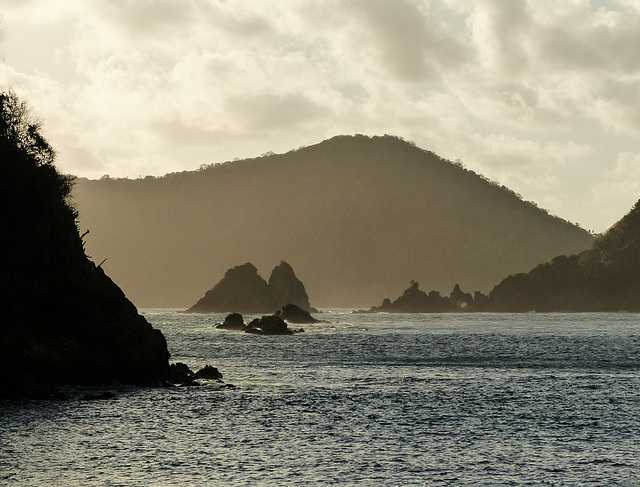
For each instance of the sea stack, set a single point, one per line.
(242, 290)
(286, 288)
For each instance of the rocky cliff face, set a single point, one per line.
(242, 290)
(63, 320)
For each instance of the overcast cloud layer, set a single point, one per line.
(540, 95)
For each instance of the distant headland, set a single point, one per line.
(603, 278)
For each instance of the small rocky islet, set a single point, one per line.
(243, 290)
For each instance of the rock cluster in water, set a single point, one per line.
(414, 300)
(181, 374)
(242, 290)
(269, 325)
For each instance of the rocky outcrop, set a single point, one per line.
(182, 375)
(286, 288)
(242, 290)
(64, 321)
(603, 278)
(414, 300)
(270, 325)
(234, 321)
(295, 314)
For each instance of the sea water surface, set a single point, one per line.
(363, 399)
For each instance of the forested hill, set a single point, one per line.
(603, 278)
(357, 217)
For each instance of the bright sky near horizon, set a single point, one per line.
(542, 96)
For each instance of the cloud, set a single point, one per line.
(531, 92)
(410, 43)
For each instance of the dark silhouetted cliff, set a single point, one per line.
(63, 320)
(357, 217)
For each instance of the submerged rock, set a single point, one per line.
(98, 396)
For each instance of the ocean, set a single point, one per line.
(360, 400)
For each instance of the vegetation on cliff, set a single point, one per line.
(603, 278)
(63, 320)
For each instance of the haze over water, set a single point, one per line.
(478, 399)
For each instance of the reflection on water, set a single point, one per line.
(361, 400)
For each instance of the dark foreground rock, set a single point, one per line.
(242, 290)
(64, 321)
(181, 374)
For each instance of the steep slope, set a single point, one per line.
(604, 278)
(63, 320)
(357, 217)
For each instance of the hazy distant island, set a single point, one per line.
(242, 290)
(357, 216)
(64, 321)
(603, 278)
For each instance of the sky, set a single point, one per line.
(542, 96)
